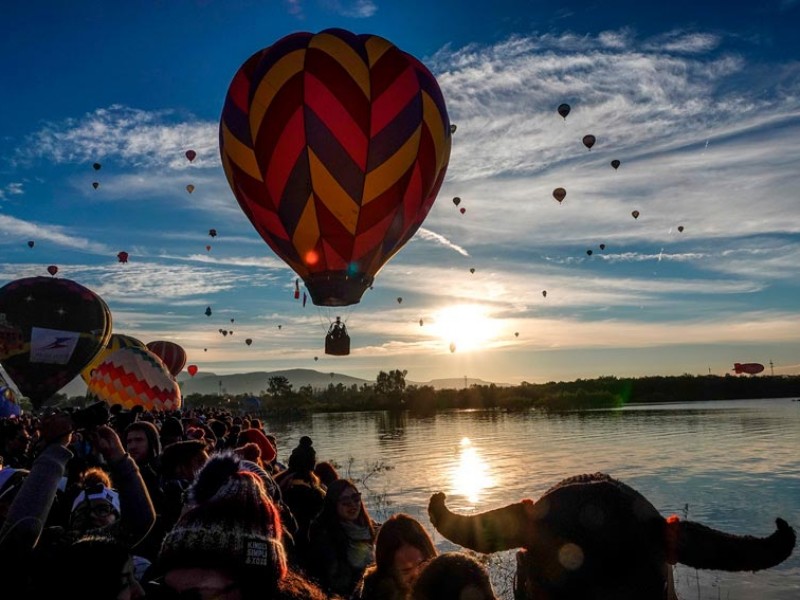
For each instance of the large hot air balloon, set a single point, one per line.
(50, 329)
(170, 353)
(749, 368)
(335, 146)
(135, 377)
(115, 342)
(559, 194)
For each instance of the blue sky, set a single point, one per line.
(700, 101)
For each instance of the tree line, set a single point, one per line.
(390, 392)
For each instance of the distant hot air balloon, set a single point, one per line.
(50, 330)
(316, 358)
(122, 257)
(279, 326)
(680, 228)
(516, 334)
(212, 232)
(472, 270)
(171, 354)
(615, 163)
(452, 346)
(95, 184)
(421, 322)
(602, 246)
(456, 200)
(233, 320)
(453, 127)
(364, 140)
(208, 311)
(559, 194)
(588, 141)
(399, 300)
(192, 370)
(52, 269)
(96, 166)
(115, 342)
(191, 154)
(749, 368)
(588, 252)
(31, 243)
(462, 210)
(635, 214)
(563, 110)
(248, 341)
(544, 293)
(208, 248)
(190, 188)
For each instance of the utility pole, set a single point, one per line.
(771, 368)
(465, 382)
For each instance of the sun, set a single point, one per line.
(464, 327)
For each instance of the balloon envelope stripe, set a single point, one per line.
(289, 149)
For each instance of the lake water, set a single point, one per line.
(731, 465)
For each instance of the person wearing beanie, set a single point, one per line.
(303, 494)
(256, 436)
(453, 576)
(228, 542)
(171, 431)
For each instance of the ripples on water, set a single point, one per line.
(732, 465)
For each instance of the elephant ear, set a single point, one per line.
(701, 547)
(500, 529)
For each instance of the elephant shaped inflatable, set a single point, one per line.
(592, 537)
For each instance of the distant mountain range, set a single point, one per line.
(255, 383)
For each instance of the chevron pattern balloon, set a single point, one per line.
(135, 376)
(115, 342)
(335, 146)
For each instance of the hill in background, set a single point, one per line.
(256, 382)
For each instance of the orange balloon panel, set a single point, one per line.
(115, 342)
(335, 146)
(135, 376)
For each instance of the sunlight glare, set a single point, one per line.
(471, 475)
(466, 326)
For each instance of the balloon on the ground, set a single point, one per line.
(135, 377)
(50, 329)
(115, 342)
(335, 145)
(8, 402)
(171, 354)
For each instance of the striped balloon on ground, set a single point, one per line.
(173, 355)
(335, 146)
(115, 342)
(135, 376)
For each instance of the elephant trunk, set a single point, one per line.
(490, 531)
(701, 547)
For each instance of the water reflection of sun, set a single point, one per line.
(471, 475)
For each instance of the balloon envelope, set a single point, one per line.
(170, 353)
(50, 329)
(52, 269)
(749, 368)
(191, 154)
(588, 141)
(559, 194)
(335, 146)
(135, 377)
(635, 214)
(192, 370)
(115, 342)
(615, 163)
(563, 110)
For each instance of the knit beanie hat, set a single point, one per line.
(98, 492)
(151, 431)
(230, 523)
(172, 427)
(257, 437)
(304, 457)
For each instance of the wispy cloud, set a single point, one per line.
(355, 9)
(11, 189)
(427, 234)
(133, 137)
